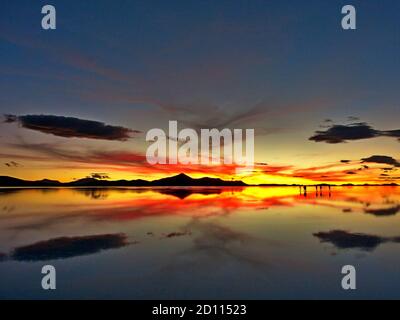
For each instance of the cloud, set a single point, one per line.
(99, 176)
(114, 160)
(341, 133)
(355, 131)
(51, 151)
(63, 53)
(70, 127)
(382, 159)
(12, 164)
(214, 117)
(68, 247)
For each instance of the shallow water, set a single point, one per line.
(194, 243)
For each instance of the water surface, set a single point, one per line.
(200, 243)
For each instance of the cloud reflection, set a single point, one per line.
(348, 240)
(68, 247)
(382, 212)
(3, 256)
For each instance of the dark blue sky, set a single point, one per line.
(215, 52)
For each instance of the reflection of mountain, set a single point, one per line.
(178, 180)
(5, 192)
(93, 193)
(184, 193)
(67, 247)
(347, 240)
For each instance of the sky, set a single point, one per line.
(324, 102)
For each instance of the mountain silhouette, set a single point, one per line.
(180, 180)
(6, 181)
(184, 180)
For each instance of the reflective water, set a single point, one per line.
(193, 243)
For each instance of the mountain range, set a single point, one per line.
(178, 180)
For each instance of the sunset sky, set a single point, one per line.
(78, 100)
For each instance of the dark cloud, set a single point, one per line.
(99, 176)
(347, 240)
(68, 247)
(341, 133)
(382, 159)
(345, 161)
(12, 164)
(69, 127)
(351, 172)
(354, 131)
